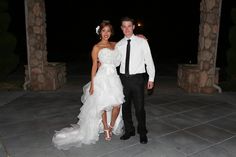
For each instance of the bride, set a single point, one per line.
(102, 98)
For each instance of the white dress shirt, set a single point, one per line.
(140, 55)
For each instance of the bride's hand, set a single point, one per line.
(91, 90)
(141, 36)
(99, 64)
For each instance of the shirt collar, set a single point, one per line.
(132, 37)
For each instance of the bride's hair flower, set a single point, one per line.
(97, 30)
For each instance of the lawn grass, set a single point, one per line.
(11, 85)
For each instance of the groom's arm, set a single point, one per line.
(149, 61)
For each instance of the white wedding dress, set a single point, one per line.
(108, 92)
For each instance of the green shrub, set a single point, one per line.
(231, 53)
(8, 59)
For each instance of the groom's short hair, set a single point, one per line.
(126, 18)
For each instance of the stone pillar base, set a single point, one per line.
(208, 90)
(52, 78)
(189, 79)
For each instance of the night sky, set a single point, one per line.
(169, 30)
(170, 26)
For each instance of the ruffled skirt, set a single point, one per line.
(108, 92)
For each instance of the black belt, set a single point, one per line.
(133, 75)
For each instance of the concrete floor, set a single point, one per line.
(179, 124)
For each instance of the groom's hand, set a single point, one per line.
(150, 85)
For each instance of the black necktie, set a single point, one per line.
(127, 57)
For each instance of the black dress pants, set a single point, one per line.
(134, 94)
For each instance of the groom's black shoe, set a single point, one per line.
(143, 139)
(126, 136)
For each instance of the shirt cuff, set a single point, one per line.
(151, 79)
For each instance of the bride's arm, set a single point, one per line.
(94, 67)
(113, 44)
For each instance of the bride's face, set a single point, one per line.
(106, 33)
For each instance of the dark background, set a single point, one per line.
(170, 26)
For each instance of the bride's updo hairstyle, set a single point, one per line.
(103, 24)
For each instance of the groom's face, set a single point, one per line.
(127, 28)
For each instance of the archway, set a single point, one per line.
(42, 75)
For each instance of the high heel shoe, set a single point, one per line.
(110, 130)
(107, 135)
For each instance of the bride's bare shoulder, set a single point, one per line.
(96, 48)
(113, 44)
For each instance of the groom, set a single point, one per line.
(136, 59)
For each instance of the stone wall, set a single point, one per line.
(189, 78)
(54, 77)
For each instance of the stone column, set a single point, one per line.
(208, 41)
(40, 75)
(36, 42)
(203, 77)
